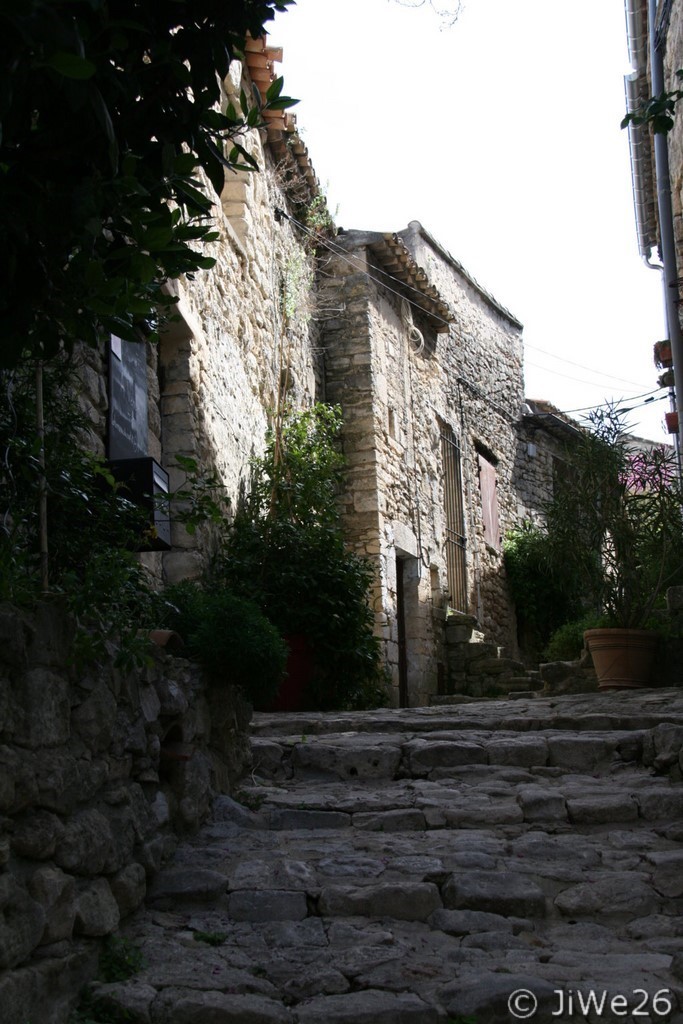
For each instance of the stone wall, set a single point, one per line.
(101, 771)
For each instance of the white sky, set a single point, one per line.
(501, 135)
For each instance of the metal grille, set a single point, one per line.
(456, 565)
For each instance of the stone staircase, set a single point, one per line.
(430, 866)
(478, 668)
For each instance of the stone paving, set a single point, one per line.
(424, 866)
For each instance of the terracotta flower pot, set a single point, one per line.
(623, 658)
(167, 638)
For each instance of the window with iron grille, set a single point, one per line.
(456, 565)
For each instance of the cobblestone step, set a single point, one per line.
(643, 709)
(370, 756)
(475, 856)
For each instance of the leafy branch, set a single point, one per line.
(112, 120)
(658, 112)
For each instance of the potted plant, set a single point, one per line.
(662, 354)
(671, 419)
(617, 513)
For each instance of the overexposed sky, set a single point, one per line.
(501, 135)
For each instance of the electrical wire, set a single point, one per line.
(581, 366)
(620, 401)
(568, 376)
(357, 264)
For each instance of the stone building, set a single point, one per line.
(426, 365)
(543, 434)
(243, 340)
(427, 368)
(655, 47)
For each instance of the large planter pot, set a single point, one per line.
(623, 658)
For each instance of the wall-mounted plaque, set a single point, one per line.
(127, 399)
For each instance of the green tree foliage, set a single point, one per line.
(94, 528)
(229, 636)
(286, 552)
(546, 590)
(110, 116)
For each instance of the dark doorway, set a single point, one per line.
(401, 623)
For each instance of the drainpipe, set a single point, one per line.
(641, 173)
(666, 226)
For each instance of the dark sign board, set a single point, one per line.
(127, 399)
(145, 483)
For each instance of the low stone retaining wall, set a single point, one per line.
(101, 772)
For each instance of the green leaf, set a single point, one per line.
(70, 65)
(274, 89)
(204, 262)
(104, 117)
(190, 196)
(144, 267)
(218, 122)
(184, 163)
(238, 151)
(282, 104)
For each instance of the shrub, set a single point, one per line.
(546, 590)
(120, 959)
(230, 637)
(286, 552)
(616, 516)
(566, 643)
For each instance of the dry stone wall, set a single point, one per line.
(545, 439)
(101, 771)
